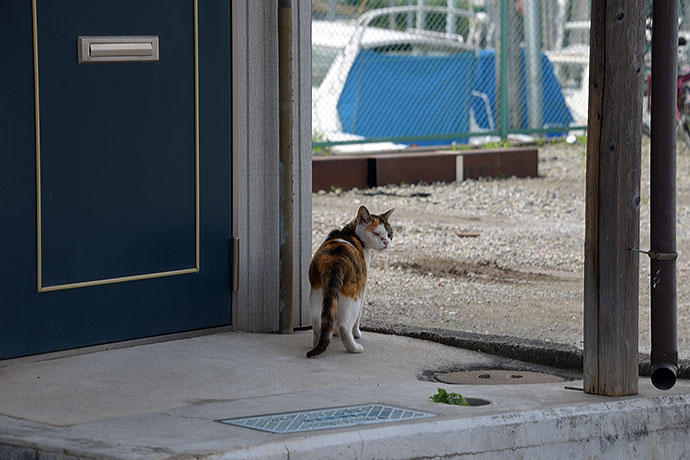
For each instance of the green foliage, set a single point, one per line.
(454, 146)
(498, 145)
(449, 398)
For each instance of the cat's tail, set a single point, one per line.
(328, 310)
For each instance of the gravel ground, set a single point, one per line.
(499, 256)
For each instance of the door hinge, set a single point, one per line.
(235, 263)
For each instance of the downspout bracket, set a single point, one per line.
(657, 255)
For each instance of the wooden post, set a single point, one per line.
(614, 131)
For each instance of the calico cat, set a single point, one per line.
(338, 276)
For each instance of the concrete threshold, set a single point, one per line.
(163, 401)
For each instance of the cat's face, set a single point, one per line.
(373, 230)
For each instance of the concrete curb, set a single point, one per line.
(538, 352)
(650, 427)
(618, 429)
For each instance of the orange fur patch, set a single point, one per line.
(349, 259)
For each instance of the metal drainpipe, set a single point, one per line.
(664, 354)
(286, 186)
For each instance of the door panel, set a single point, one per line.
(117, 151)
(116, 177)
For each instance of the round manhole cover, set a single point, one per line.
(496, 377)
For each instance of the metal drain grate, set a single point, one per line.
(321, 419)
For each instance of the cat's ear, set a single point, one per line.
(387, 214)
(363, 216)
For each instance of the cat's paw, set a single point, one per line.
(357, 348)
(357, 333)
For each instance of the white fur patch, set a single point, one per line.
(340, 240)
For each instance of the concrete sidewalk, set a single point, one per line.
(162, 401)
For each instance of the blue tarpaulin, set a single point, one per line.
(397, 96)
(555, 112)
(389, 96)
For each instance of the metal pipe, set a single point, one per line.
(331, 10)
(410, 16)
(421, 14)
(451, 19)
(392, 18)
(533, 63)
(664, 355)
(285, 104)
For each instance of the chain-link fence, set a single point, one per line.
(400, 72)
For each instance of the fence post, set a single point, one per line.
(503, 72)
(533, 63)
(421, 14)
(614, 131)
(331, 10)
(410, 15)
(451, 18)
(508, 57)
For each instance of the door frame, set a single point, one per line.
(256, 166)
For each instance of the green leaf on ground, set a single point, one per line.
(449, 398)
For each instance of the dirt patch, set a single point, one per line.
(483, 271)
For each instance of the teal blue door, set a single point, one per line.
(115, 174)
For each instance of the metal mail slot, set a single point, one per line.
(117, 49)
